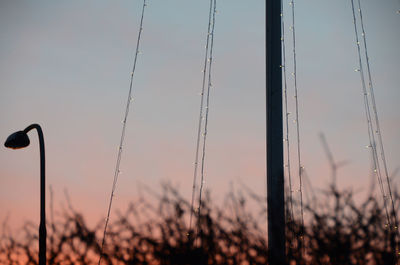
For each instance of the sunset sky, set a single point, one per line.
(66, 65)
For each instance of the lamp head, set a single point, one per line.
(17, 140)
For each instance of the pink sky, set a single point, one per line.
(66, 66)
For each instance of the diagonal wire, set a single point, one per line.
(200, 123)
(378, 128)
(118, 162)
(372, 142)
(375, 112)
(300, 167)
(210, 60)
(286, 139)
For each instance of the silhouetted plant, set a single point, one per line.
(338, 231)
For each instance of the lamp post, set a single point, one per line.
(20, 140)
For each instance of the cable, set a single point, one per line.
(300, 167)
(377, 126)
(199, 129)
(372, 143)
(375, 112)
(286, 139)
(210, 60)
(117, 166)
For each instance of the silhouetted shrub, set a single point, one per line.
(338, 231)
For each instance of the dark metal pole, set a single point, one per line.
(275, 176)
(42, 225)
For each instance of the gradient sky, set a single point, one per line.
(66, 65)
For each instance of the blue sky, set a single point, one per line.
(66, 66)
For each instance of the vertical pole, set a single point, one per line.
(275, 176)
(42, 225)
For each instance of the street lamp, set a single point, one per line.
(20, 140)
